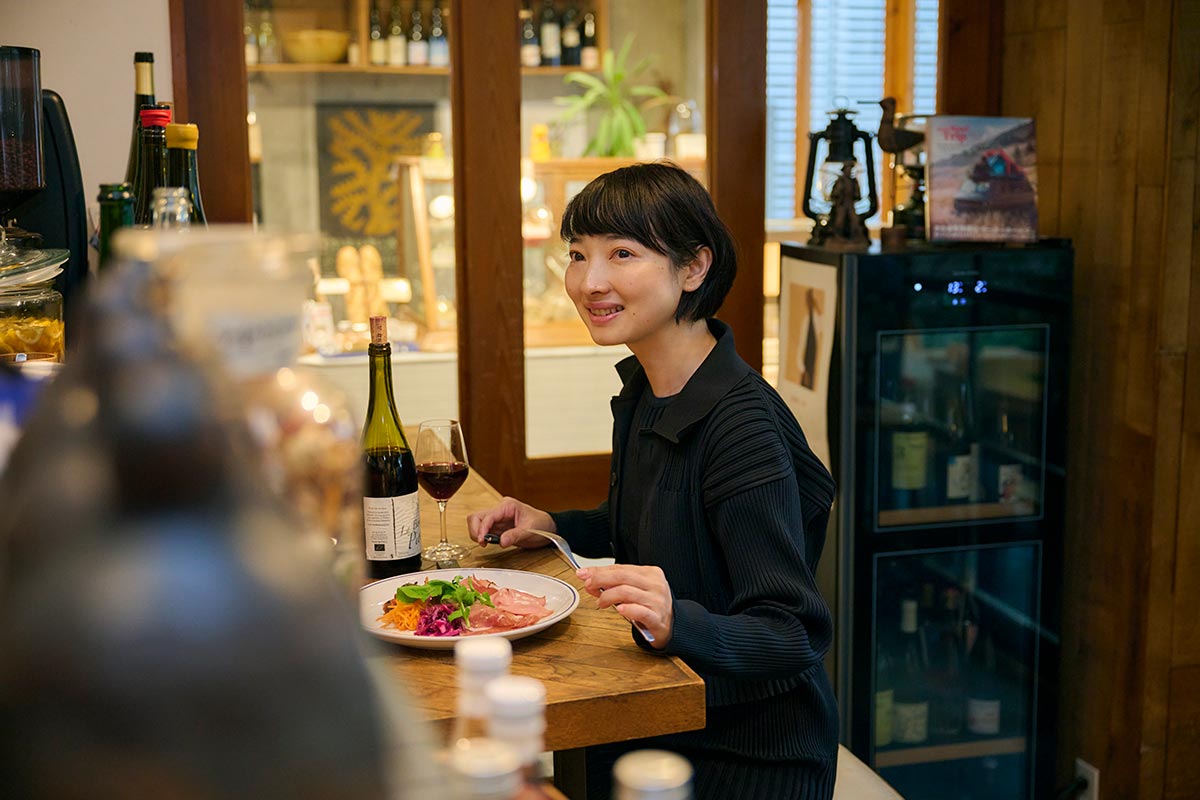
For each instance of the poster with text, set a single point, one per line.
(807, 315)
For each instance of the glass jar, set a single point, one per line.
(31, 321)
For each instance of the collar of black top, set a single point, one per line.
(720, 371)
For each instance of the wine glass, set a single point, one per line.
(441, 469)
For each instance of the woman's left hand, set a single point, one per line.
(640, 594)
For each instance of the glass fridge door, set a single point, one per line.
(955, 671)
(960, 426)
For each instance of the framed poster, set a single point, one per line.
(808, 301)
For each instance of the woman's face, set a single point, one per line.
(625, 292)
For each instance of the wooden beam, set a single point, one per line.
(970, 56)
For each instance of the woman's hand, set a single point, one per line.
(640, 594)
(510, 520)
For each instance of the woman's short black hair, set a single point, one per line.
(664, 208)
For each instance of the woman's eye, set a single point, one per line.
(575, 256)
(623, 254)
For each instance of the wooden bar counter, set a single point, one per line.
(600, 686)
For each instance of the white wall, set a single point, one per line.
(87, 57)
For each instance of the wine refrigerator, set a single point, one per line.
(933, 381)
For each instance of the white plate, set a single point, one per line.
(561, 599)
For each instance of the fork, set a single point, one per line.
(564, 550)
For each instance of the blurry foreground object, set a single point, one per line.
(163, 635)
(652, 775)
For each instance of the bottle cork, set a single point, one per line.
(379, 330)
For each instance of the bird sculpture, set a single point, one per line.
(892, 139)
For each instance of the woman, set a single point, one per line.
(717, 509)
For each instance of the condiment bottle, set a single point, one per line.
(517, 714)
(652, 775)
(479, 661)
(485, 769)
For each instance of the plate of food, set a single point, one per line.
(433, 609)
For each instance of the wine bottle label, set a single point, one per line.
(439, 53)
(392, 526)
(910, 454)
(251, 50)
(912, 722)
(570, 37)
(397, 51)
(551, 46)
(884, 711)
(960, 477)
(1009, 477)
(589, 58)
(379, 52)
(983, 716)
(531, 55)
(418, 53)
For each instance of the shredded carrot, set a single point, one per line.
(403, 616)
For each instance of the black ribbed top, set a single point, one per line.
(733, 506)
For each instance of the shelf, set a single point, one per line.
(348, 69)
(556, 70)
(959, 513)
(903, 756)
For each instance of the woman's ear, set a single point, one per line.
(697, 270)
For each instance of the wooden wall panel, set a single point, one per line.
(1183, 766)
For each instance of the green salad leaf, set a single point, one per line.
(456, 592)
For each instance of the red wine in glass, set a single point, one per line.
(442, 478)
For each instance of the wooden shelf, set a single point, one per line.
(348, 69)
(556, 70)
(896, 517)
(902, 756)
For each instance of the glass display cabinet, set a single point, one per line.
(933, 381)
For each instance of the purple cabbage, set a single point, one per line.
(434, 620)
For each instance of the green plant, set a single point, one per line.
(620, 101)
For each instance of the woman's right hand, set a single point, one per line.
(510, 519)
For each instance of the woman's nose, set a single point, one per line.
(595, 277)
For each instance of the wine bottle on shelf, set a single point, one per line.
(652, 775)
(391, 518)
(418, 43)
(551, 35)
(143, 95)
(885, 692)
(589, 51)
(1007, 478)
(983, 703)
(517, 715)
(439, 46)
(571, 40)
(960, 456)
(268, 43)
(181, 166)
(397, 42)
(377, 50)
(910, 440)
(250, 33)
(911, 693)
(944, 646)
(116, 212)
(531, 47)
(152, 160)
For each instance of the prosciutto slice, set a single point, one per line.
(513, 609)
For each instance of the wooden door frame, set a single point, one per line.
(485, 94)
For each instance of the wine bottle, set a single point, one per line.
(910, 452)
(249, 33)
(391, 519)
(944, 646)
(378, 49)
(589, 51)
(418, 43)
(397, 41)
(983, 705)
(116, 211)
(143, 95)
(885, 693)
(911, 693)
(652, 775)
(1006, 475)
(268, 43)
(439, 47)
(531, 47)
(152, 161)
(551, 35)
(960, 456)
(571, 40)
(181, 166)
(517, 715)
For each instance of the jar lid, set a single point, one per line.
(34, 266)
